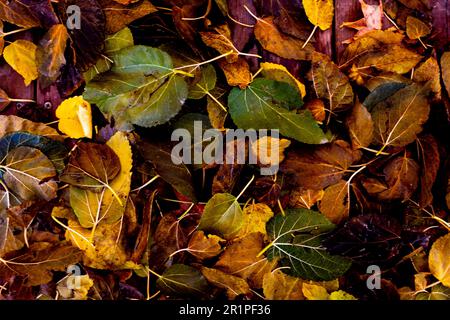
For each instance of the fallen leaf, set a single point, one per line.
(430, 158)
(21, 56)
(256, 217)
(280, 286)
(282, 45)
(69, 291)
(10, 124)
(50, 54)
(204, 247)
(416, 29)
(234, 286)
(319, 167)
(335, 202)
(429, 71)
(240, 259)
(439, 259)
(445, 67)
(279, 72)
(237, 73)
(75, 118)
(399, 118)
(265, 104)
(317, 109)
(182, 280)
(320, 12)
(314, 292)
(331, 84)
(360, 126)
(222, 216)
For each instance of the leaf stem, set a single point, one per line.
(309, 38)
(245, 188)
(5, 34)
(265, 249)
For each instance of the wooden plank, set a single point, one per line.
(345, 10)
(441, 23)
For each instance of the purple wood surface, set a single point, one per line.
(441, 22)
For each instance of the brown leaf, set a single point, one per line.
(240, 259)
(281, 44)
(360, 126)
(9, 124)
(415, 28)
(118, 15)
(439, 259)
(399, 118)
(204, 247)
(221, 41)
(300, 198)
(50, 54)
(28, 13)
(234, 286)
(401, 175)
(38, 262)
(237, 73)
(335, 202)
(373, 19)
(91, 166)
(429, 154)
(330, 83)
(319, 167)
(429, 71)
(317, 108)
(445, 67)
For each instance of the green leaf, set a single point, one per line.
(113, 43)
(265, 104)
(222, 216)
(54, 150)
(296, 240)
(142, 88)
(182, 280)
(206, 83)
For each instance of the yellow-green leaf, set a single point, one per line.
(439, 259)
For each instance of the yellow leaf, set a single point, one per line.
(439, 259)
(204, 247)
(256, 217)
(279, 72)
(75, 118)
(319, 12)
(75, 287)
(237, 73)
(429, 71)
(262, 151)
(279, 286)
(21, 56)
(314, 292)
(341, 295)
(235, 286)
(104, 251)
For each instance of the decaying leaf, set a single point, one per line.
(280, 286)
(204, 247)
(416, 29)
(360, 126)
(335, 202)
(234, 286)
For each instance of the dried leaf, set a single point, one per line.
(182, 280)
(21, 56)
(399, 118)
(335, 202)
(331, 84)
(320, 167)
(430, 157)
(10, 124)
(429, 71)
(360, 126)
(445, 67)
(314, 292)
(273, 40)
(234, 286)
(237, 73)
(256, 217)
(280, 286)
(439, 260)
(50, 54)
(204, 247)
(416, 29)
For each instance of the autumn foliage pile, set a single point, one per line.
(91, 90)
